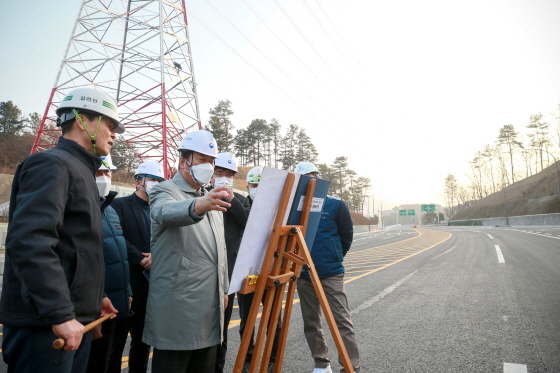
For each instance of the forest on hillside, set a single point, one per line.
(513, 155)
(261, 142)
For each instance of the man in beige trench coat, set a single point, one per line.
(189, 277)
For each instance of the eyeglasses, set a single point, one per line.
(221, 173)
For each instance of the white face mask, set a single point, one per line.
(221, 181)
(253, 192)
(103, 185)
(148, 185)
(202, 173)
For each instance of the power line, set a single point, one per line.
(254, 45)
(282, 42)
(326, 32)
(251, 65)
(321, 26)
(309, 43)
(335, 29)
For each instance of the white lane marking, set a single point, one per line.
(490, 236)
(538, 234)
(368, 303)
(444, 253)
(388, 290)
(500, 256)
(515, 368)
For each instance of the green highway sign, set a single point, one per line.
(428, 207)
(411, 212)
(402, 212)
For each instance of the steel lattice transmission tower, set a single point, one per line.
(138, 52)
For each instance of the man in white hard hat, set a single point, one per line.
(53, 277)
(253, 178)
(332, 242)
(110, 337)
(134, 214)
(189, 278)
(235, 219)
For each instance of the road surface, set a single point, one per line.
(445, 299)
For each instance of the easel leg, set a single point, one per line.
(272, 326)
(285, 326)
(342, 353)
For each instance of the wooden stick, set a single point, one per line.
(59, 343)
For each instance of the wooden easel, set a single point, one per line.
(286, 254)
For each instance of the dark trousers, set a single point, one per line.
(139, 351)
(29, 350)
(191, 361)
(244, 301)
(106, 352)
(221, 349)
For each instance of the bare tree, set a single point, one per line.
(450, 190)
(488, 155)
(539, 136)
(508, 138)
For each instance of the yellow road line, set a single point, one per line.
(360, 256)
(397, 261)
(235, 323)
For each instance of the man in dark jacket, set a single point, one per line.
(134, 214)
(53, 279)
(109, 340)
(332, 242)
(235, 219)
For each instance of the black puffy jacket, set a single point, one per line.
(117, 278)
(54, 266)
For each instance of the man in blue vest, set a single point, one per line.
(332, 242)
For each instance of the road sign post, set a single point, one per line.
(427, 208)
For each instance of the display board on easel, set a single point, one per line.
(279, 254)
(261, 219)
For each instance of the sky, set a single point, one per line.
(409, 91)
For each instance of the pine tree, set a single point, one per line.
(220, 125)
(508, 137)
(11, 120)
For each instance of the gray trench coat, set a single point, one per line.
(188, 278)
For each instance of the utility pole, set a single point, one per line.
(140, 53)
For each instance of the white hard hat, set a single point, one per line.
(254, 175)
(200, 141)
(107, 159)
(227, 160)
(152, 169)
(303, 168)
(92, 100)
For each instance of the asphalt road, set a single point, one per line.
(446, 299)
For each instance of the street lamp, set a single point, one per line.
(379, 214)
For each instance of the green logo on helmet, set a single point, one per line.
(109, 105)
(68, 98)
